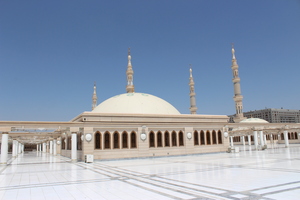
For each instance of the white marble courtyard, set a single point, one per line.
(270, 174)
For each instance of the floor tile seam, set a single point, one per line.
(280, 191)
(186, 191)
(157, 191)
(113, 171)
(123, 170)
(194, 184)
(268, 169)
(52, 184)
(274, 186)
(96, 170)
(145, 180)
(190, 171)
(34, 172)
(182, 187)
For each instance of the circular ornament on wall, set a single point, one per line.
(58, 142)
(225, 134)
(88, 137)
(189, 135)
(143, 136)
(82, 137)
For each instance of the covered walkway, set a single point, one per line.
(269, 174)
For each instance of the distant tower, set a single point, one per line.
(129, 74)
(238, 98)
(94, 104)
(193, 107)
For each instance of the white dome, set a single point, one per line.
(136, 103)
(254, 120)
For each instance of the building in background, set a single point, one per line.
(274, 115)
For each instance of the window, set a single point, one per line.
(174, 139)
(116, 140)
(98, 140)
(133, 140)
(159, 139)
(167, 139)
(196, 138)
(220, 137)
(214, 137)
(124, 140)
(151, 139)
(208, 137)
(107, 140)
(181, 143)
(202, 138)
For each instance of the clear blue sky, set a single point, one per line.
(51, 52)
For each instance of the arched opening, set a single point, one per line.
(133, 140)
(107, 140)
(214, 137)
(63, 144)
(282, 136)
(289, 136)
(296, 135)
(159, 139)
(196, 138)
(116, 140)
(220, 137)
(181, 142)
(124, 140)
(174, 139)
(69, 142)
(208, 137)
(167, 139)
(202, 138)
(79, 141)
(151, 139)
(98, 140)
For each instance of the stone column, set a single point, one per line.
(51, 147)
(37, 148)
(19, 148)
(4, 148)
(255, 139)
(14, 148)
(243, 140)
(249, 140)
(44, 147)
(231, 141)
(74, 147)
(265, 139)
(261, 137)
(286, 138)
(54, 147)
(40, 146)
(23, 148)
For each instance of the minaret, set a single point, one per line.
(94, 104)
(193, 107)
(238, 98)
(129, 74)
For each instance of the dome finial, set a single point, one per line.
(191, 71)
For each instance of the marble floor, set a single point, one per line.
(269, 174)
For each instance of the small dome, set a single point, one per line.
(136, 103)
(254, 120)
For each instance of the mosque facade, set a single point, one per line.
(133, 125)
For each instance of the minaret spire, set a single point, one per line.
(193, 107)
(129, 74)
(238, 98)
(94, 99)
